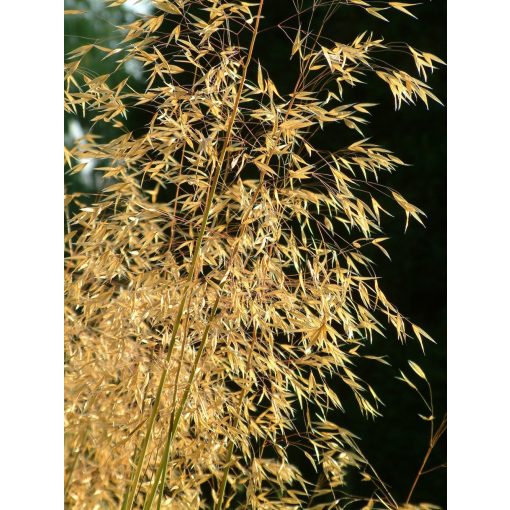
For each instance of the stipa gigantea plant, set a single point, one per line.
(219, 288)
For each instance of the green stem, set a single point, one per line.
(175, 421)
(150, 425)
(196, 251)
(223, 485)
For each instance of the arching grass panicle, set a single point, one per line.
(219, 289)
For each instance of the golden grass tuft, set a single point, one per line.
(206, 334)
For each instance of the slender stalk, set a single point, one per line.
(145, 443)
(415, 482)
(198, 245)
(176, 417)
(301, 78)
(223, 484)
(318, 484)
(160, 474)
(175, 420)
(432, 444)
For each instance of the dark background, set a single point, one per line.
(415, 279)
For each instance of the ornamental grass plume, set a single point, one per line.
(219, 295)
